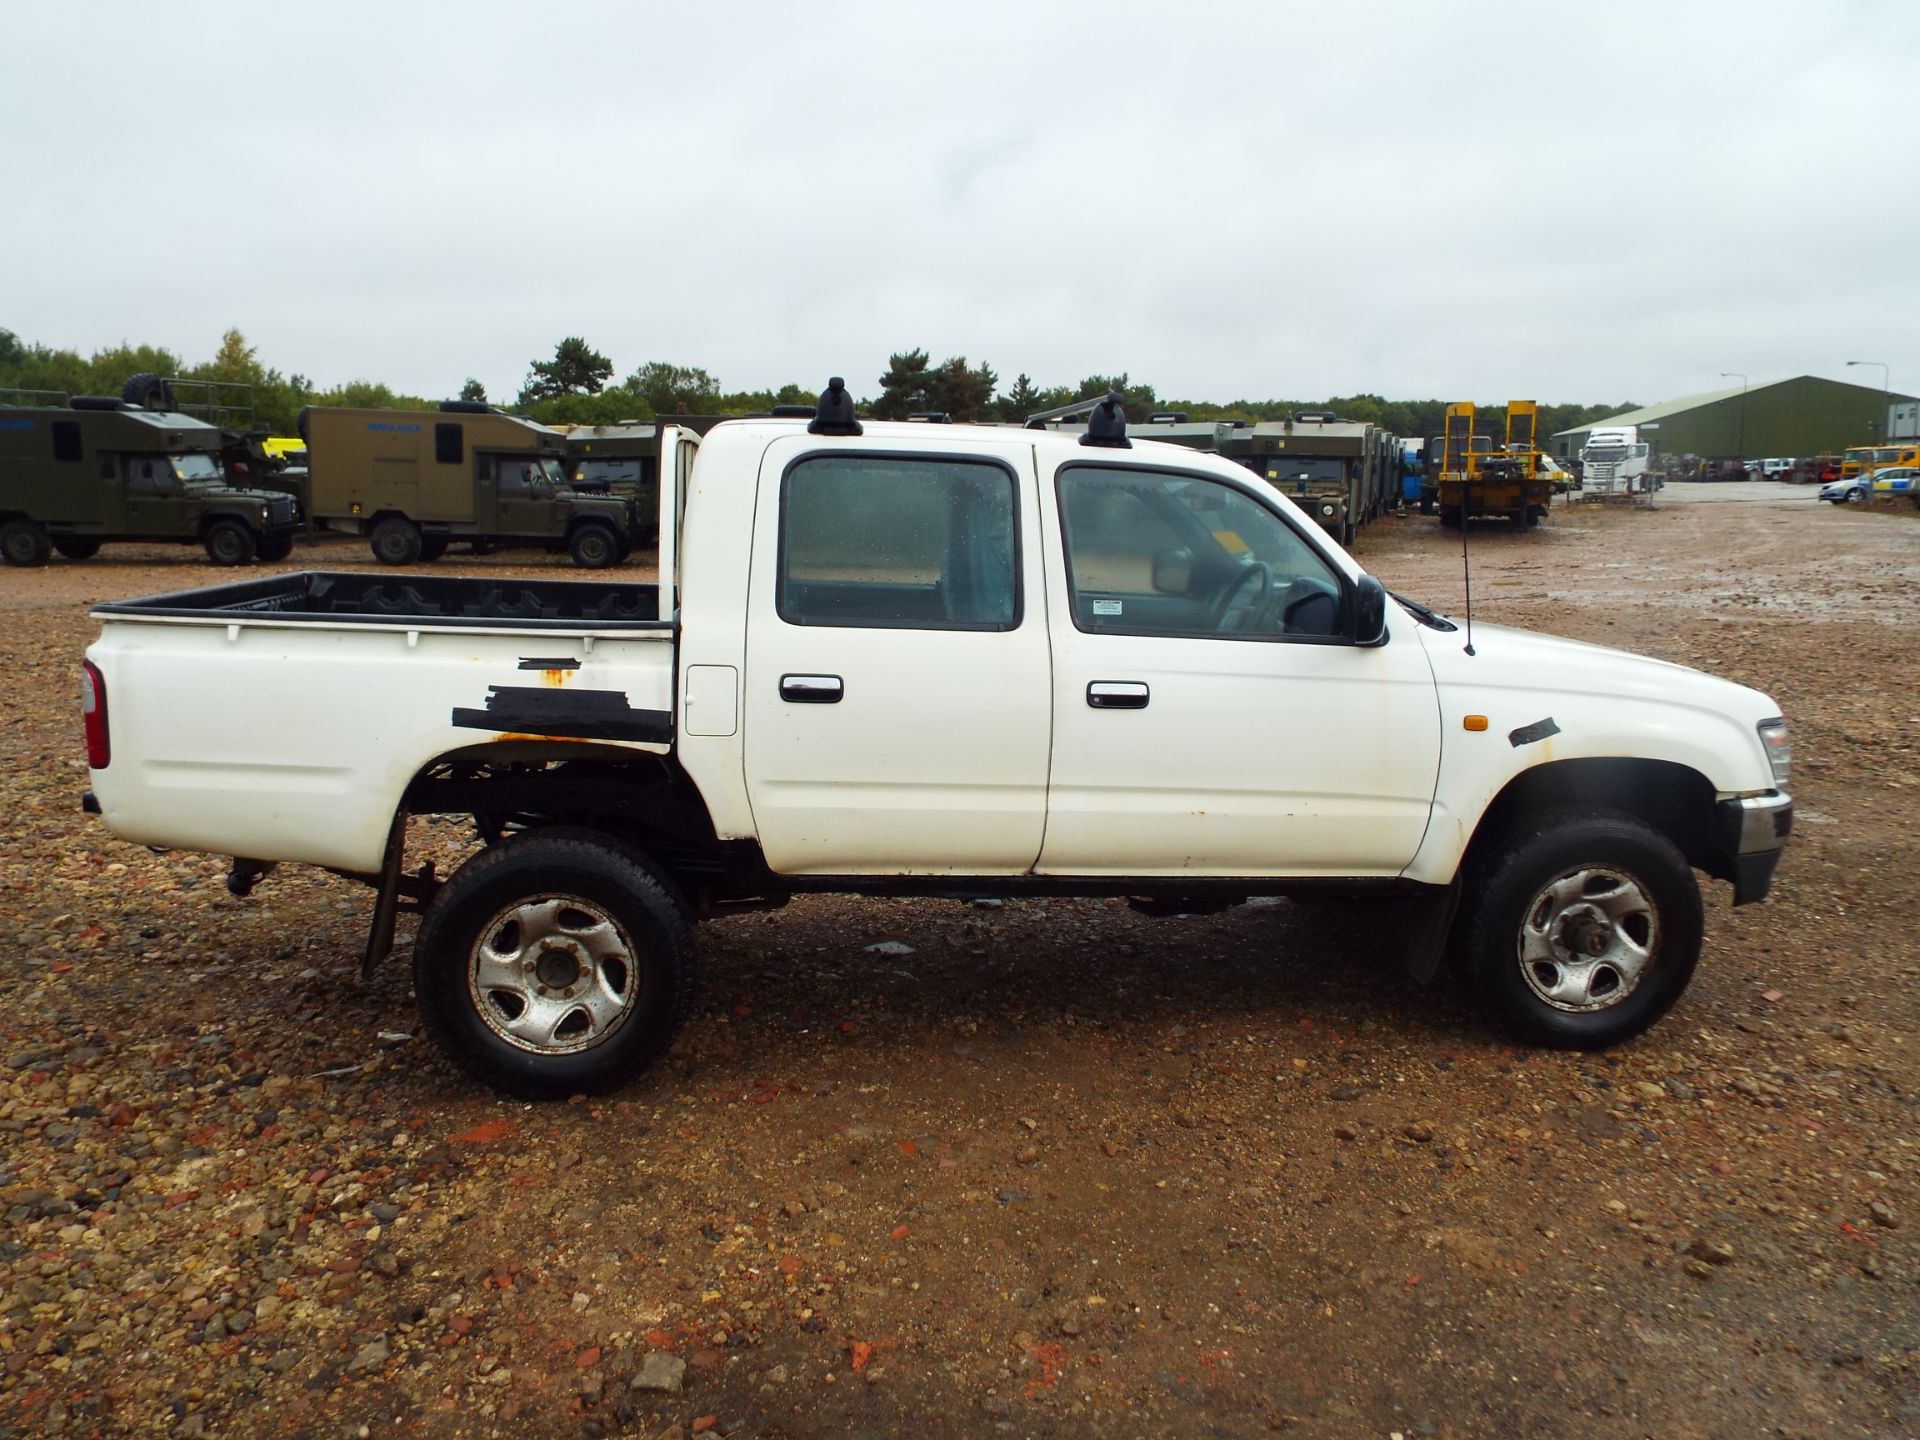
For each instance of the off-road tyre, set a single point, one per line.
(148, 391)
(78, 547)
(25, 543)
(594, 546)
(230, 542)
(1530, 885)
(275, 548)
(395, 541)
(460, 944)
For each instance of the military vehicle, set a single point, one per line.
(618, 459)
(99, 470)
(1341, 472)
(412, 481)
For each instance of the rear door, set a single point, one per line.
(897, 693)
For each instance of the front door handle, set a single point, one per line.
(812, 689)
(1117, 695)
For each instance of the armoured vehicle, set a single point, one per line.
(412, 481)
(98, 470)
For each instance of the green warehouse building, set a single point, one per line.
(1799, 417)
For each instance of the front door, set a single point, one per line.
(526, 503)
(1209, 717)
(897, 708)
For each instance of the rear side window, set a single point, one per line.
(901, 542)
(66, 440)
(449, 444)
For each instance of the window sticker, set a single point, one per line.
(1106, 607)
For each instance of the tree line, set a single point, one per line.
(576, 385)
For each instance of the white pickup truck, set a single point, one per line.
(911, 659)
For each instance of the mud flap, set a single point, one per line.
(386, 905)
(1430, 923)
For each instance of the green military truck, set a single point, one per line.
(621, 459)
(1338, 471)
(413, 481)
(99, 470)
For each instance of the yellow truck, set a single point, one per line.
(1475, 479)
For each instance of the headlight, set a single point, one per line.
(1326, 510)
(1778, 744)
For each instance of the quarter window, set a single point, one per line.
(1155, 553)
(900, 542)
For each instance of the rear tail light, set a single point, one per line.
(93, 710)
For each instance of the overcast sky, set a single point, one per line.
(1490, 200)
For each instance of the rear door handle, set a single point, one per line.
(812, 689)
(1117, 695)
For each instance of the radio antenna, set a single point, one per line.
(1466, 568)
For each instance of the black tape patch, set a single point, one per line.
(573, 714)
(548, 662)
(1528, 734)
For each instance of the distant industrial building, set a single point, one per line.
(1802, 416)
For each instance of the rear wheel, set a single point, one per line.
(1582, 929)
(395, 541)
(229, 542)
(24, 542)
(594, 547)
(555, 963)
(432, 547)
(1450, 515)
(77, 548)
(275, 549)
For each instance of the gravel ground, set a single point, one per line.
(1039, 1168)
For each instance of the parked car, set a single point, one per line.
(1881, 484)
(1772, 468)
(1854, 490)
(940, 660)
(1896, 480)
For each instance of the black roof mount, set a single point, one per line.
(793, 412)
(99, 402)
(1107, 425)
(465, 407)
(835, 414)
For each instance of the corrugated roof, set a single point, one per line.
(1648, 413)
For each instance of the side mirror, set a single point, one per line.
(1369, 612)
(1173, 572)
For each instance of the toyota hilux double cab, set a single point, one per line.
(934, 660)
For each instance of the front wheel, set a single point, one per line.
(1581, 929)
(555, 963)
(229, 542)
(594, 547)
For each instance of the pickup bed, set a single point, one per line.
(932, 660)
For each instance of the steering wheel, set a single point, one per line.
(1309, 606)
(1256, 603)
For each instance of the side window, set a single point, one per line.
(1154, 553)
(449, 444)
(66, 440)
(899, 542)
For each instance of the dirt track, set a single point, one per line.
(1058, 1169)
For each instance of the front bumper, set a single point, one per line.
(1754, 830)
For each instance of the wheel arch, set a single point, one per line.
(1672, 798)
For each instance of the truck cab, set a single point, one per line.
(100, 470)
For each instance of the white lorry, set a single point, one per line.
(1617, 460)
(932, 660)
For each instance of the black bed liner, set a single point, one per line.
(412, 599)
